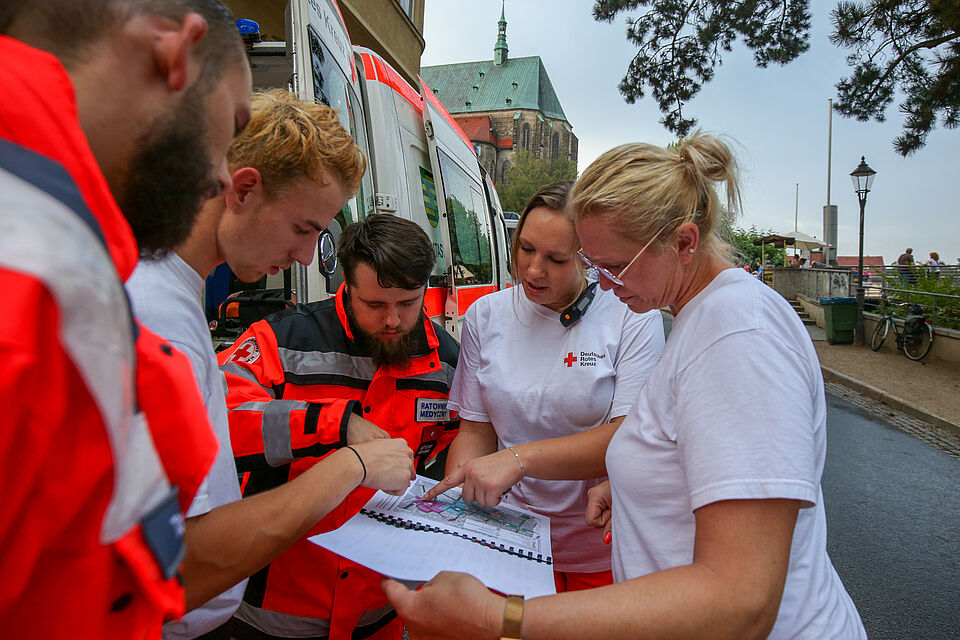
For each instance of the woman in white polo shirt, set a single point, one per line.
(553, 356)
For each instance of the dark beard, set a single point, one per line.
(386, 352)
(170, 177)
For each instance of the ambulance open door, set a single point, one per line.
(324, 70)
(460, 197)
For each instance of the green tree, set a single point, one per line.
(908, 45)
(911, 45)
(528, 174)
(745, 250)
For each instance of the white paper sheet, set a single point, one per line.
(506, 548)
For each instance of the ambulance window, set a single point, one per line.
(480, 207)
(469, 225)
(331, 87)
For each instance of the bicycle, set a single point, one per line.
(916, 338)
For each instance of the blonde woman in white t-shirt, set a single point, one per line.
(531, 367)
(714, 499)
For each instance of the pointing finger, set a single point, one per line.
(453, 480)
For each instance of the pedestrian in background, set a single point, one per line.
(905, 266)
(934, 263)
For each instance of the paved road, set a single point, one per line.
(893, 514)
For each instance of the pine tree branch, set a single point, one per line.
(926, 44)
(673, 54)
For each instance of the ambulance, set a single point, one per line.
(420, 166)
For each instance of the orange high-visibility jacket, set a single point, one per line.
(101, 419)
(293, 380)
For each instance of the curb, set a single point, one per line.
(832, 375)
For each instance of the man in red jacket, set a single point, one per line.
(104, 438)
(372, 348)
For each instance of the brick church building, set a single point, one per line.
(504, 106)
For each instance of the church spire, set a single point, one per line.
(500, 49)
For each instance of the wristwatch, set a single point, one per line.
(513, 618)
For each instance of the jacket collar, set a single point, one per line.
(342, 311)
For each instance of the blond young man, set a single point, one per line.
(292, 169)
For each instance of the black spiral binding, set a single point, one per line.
(401, 523)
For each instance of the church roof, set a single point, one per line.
(518, 83)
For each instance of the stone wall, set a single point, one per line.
(539, 139)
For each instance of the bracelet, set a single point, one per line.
(523, 470)
(513, 619)
(363, 466)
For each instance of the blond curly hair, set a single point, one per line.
(289, 139)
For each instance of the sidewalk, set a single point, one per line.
(929, 390)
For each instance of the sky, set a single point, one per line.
(776, 118)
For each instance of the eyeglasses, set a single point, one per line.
(616, 279)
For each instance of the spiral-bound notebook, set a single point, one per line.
(410, 539)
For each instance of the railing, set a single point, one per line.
(932, 279)
(943, 309)
(939, 296)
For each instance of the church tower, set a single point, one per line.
(500, 49)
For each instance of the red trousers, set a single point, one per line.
(569, 581)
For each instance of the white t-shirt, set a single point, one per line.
(166, 296)
(533, 378)
(735, 409)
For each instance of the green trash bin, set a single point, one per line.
(840, 315)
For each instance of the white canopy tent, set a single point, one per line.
(803, 242)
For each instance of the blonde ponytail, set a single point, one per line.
(641, 188)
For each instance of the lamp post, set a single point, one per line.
(862, 178)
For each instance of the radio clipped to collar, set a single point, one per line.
(575, 311)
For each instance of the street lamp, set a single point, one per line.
(862, 178)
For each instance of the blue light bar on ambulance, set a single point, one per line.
(249, 31)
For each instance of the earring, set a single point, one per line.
(691, 250)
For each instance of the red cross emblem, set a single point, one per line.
(570, 359)
(247, 352)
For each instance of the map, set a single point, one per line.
(503, 523)
(412, 539)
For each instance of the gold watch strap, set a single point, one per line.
(513, 619)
